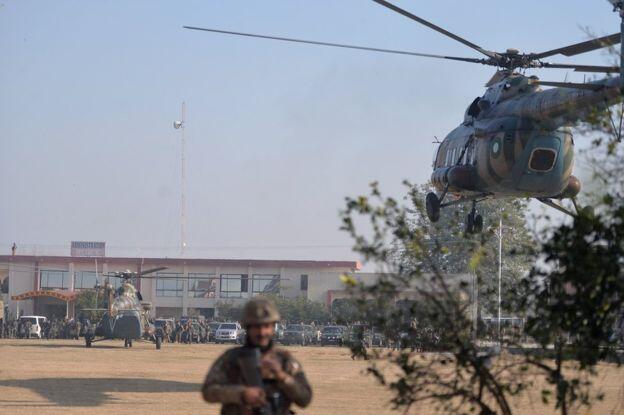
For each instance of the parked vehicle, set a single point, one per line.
(378, 339)
(230, 333)
(279, 331)
(36, 322)
(297, 334)
(212, 330)
(333, 335)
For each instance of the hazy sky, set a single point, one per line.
(278, 134)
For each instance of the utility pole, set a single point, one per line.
(500, 272)
(181, 125)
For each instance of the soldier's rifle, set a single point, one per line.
(249, 360)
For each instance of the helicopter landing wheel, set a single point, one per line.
(469, 224)
(158, 342)
(432, 204)
(474, 221)
(125, 342)
(478, 224)
(129, 342)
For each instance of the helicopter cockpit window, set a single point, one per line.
(542, 159)
(474, 109)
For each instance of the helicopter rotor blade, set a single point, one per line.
(573, 85)
(438, 29)
(149, 271)
(582, 47)
(336, 45)
(582, 68)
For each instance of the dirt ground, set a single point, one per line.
(54, 377)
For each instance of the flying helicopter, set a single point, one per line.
(127, 317)
(515, 140)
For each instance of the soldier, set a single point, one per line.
(27, 328)
(283, 379)
(178, 332)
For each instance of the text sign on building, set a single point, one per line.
(85, 248)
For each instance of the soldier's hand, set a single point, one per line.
(254, 396)
(272, 369)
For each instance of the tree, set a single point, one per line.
(300, 309)
(461, 377)
(345, 311)
(573, 296)
(576, 287)
(86, 299)
(228, 311)
(457, 250)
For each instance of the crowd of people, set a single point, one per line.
(55, 328)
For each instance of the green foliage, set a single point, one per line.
(297, 310)
(228, 311)
(573, 297)
(461, 253)
(89, 299)
(301, 309)
(583, 296)
(576, 300)
(345, 311)
(416, 258)
(85, 299)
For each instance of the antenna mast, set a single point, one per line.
(181, 125)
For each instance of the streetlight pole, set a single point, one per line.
(181, 125)
(500, 272)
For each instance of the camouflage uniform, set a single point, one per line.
(224, 383)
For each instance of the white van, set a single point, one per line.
(36, 325)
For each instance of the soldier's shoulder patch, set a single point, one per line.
(290, 363)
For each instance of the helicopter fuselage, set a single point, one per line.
(126, 319)
(515, 140)
(125, 325)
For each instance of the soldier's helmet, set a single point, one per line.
(259, 310)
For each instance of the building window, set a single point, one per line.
(233, 285)
(169, 284)
(265, 284)
(84, 280)
(54, 280)
(202, 285)
(304, 282)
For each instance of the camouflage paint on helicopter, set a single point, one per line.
(514, 140)
(127, 316)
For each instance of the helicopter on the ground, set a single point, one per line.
(127, 317)
(514, 141)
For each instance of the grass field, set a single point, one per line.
(38, 376)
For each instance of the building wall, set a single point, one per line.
(323, 277)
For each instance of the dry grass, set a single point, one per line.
(65, 377)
